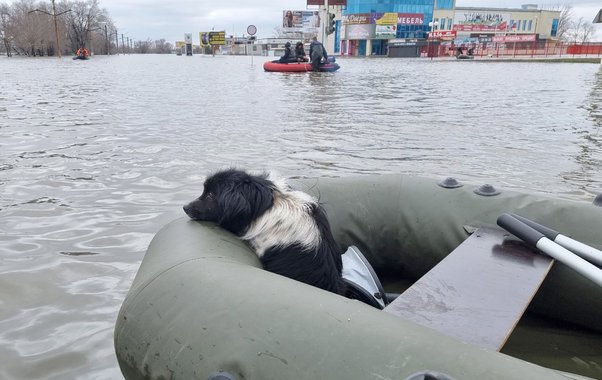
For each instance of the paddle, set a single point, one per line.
(585, 251)
(554, 250)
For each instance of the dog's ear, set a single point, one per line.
(242, 203)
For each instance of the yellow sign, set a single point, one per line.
(212, 38)
(387, 19)
(180, 44)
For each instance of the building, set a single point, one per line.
(403, 28)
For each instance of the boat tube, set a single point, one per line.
(298, 66)
(202, 307)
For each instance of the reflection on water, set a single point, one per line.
(96, 156)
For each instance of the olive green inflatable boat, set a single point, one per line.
(201, 306)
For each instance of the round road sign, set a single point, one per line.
(251, 30)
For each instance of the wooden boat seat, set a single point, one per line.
(478, 292)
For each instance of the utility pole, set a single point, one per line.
(107, 40)
(56, 27)
(324, 26)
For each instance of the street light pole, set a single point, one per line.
(432, 25)
(107, 40)
(56, 27)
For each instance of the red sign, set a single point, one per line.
(444, 34)
(330, 2)
(514, 38)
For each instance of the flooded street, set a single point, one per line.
(96, 156)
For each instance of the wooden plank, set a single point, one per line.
(479, 291)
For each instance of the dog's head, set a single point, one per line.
(232, 199)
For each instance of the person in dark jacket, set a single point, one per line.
(317, 53)
(300, 52)
(289, 54)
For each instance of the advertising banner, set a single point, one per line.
(212, 38)
(301, 21)
(359, 32)
(385, 31)
(481, 21)
(385, 18)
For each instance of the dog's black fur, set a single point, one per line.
(288, 229)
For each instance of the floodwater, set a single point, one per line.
(96, 156)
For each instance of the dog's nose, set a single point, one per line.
(186, 208)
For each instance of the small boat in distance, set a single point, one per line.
(82, 53)
(276, 65)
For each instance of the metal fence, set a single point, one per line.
(515, 49)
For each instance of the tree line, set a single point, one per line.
(29, 27)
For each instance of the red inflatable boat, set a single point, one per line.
(298, 66)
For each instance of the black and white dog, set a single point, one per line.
(287, 229)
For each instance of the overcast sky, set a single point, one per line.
(155, 19)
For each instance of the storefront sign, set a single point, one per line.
(410, 18)
(403, 42)
(358, 18)
(475, 21)
(385, 18)
(443, 34)
(385, 31)
(330, 2)
(514, 38)
(359, 32)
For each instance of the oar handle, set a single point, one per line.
(585, 251)
(548, 232)
(547, 246)
(519, 229)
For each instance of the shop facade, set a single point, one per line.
(428, 27)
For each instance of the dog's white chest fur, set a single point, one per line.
(288, 221)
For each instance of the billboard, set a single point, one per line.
(301, 21)
(481, 21)
(212, 38)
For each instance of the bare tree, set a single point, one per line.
(580, 31)
(6, 28)
(85, 16)
(163, 47)
(28, 28)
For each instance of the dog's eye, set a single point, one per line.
(210, 196)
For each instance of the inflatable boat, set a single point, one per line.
(201, 306)
(298, 66)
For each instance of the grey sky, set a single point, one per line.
(142, 19)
